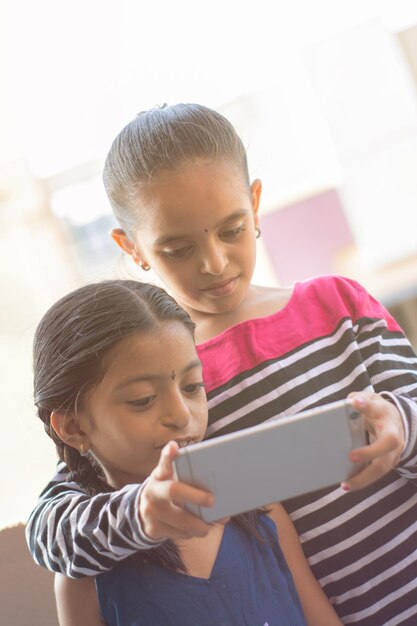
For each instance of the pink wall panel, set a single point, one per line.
(304, 239)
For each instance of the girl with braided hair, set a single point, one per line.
(119, 388)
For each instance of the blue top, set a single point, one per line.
(250, 585)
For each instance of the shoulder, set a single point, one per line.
(77, 601)
(331, 284)
(342, 296)
(332, 291)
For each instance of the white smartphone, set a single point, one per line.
(276, 460)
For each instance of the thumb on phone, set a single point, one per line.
(164, 470)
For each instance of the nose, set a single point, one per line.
(213, 259)
(177, 413)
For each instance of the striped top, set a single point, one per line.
(331, 338)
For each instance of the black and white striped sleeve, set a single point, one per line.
(81, 535)
(392, 366)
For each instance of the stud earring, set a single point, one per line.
(258, 232)
(82, 450)
(142, 264)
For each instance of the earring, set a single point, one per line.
(258, 232)
(142, 264)
(82, 450)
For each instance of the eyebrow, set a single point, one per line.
(231, 218)
(149, 377)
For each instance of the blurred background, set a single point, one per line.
(323, 93)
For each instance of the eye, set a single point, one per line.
(177, 253)
(232, 233)
(142, 402)
(193, 388)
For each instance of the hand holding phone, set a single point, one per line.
(274, 461)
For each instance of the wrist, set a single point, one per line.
(144, 538)
(390, 397)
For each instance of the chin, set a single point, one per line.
(226, 304)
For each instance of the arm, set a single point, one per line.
(80, 535)
(391, 412)
(388, 428)
(316, 606)
(77, 602)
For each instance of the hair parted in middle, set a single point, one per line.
(70, 347)
(162, 139)
(74, 337)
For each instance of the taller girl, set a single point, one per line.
(178, 182)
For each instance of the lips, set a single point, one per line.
(221, 288)
(182, 443)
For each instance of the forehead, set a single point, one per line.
(193, 190)
(166, 343)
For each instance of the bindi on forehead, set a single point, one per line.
(173, 375)
(205, 230)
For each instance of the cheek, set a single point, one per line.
(250, 251)
(165, 268)
(202, 413)
(175, 277)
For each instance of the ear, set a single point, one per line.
(256, 191)
(119, 236)
(70, 428)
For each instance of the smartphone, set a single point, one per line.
(276, 460)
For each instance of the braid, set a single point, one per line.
(83, 469)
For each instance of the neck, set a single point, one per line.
(259, 302)
(199, 553)
(201, 317)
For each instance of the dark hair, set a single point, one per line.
(162, 139)
(74, 337)
(70, 347)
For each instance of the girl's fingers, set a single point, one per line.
(382, 446)
(380, 456)
(178, 524)
(166, 489)
(367, 476)
(180, 493)
(164, 469)
(162, 504)
(162, 512)
(383, 421)
(371, 406)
